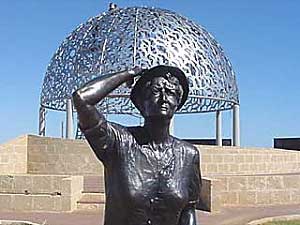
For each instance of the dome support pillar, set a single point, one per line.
(42, 121)
(171, 127)
(236, 125)
(218, 128)
(69, 119)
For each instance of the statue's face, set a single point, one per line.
(161, 98)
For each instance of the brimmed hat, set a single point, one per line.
(159, 71)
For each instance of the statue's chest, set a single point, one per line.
(146, 163)
(156, 174)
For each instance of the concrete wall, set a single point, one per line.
(13, 156)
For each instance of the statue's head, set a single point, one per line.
(160, 92)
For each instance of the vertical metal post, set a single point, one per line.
(218, 128)
(62, 129)
(236, 125)
(42, 121)
(69, 119)
(171, 128)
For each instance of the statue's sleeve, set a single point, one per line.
(195, 184)
(104, 139)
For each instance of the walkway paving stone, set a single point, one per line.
(228, 216)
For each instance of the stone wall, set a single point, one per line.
(234, 160)
(40, 192)
(61, 156)
(259, 189)
(44, 155)
(13, 156)
(233, 176)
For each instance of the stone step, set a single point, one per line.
(94, 184)
(91, 202)
(92, 198)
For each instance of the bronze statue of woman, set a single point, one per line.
(151, 177)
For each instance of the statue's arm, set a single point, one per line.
(92, 122)
(86, 97)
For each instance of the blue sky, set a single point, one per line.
(261, 39)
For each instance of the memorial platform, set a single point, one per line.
(34, 167)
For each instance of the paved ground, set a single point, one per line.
(228, 216)
(243, 215)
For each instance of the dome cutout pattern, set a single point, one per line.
(126, 37)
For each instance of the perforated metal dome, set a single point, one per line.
(125, 37)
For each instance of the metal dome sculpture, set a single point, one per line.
(125, 37)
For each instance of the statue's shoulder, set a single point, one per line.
(120, 130)
(187, 147)
(127, 133)
(131, 129)
(138, 133)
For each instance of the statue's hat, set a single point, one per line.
(159, 71)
